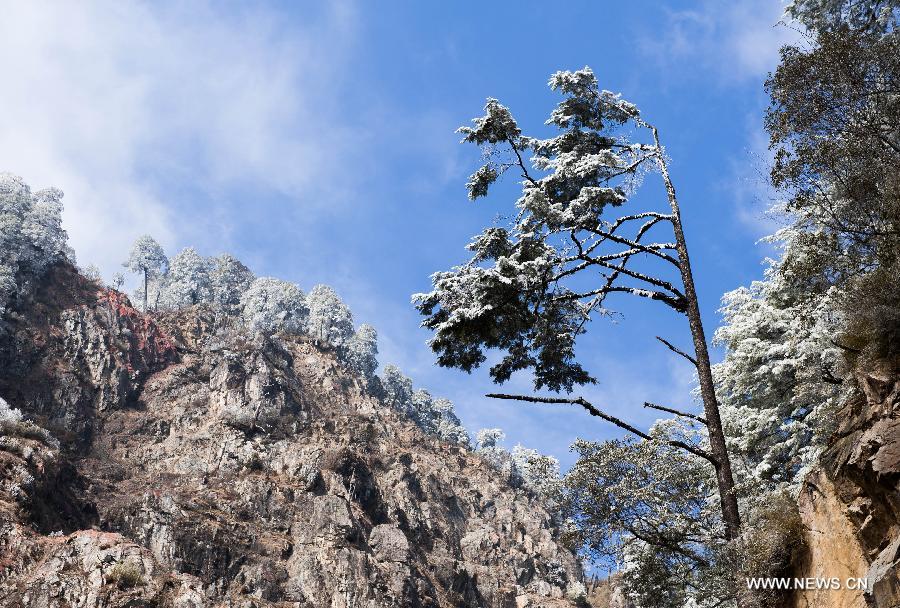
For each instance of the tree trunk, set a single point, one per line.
(727, 496)
(146, 281)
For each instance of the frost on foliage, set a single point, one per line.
(520, 292)
(538, 472)
(330, 322)
(148, 259)
(776, 402)
(9, 415)
(31, 234)
(188, 281)
(272, 305)
(13, 424)
(230, 279)
(524, 466)
(576, 591)
(654, 508)
(92, 273)
(434, 416)
(361, 351)
(488, 445)
(827, 15)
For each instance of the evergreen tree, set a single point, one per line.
(271, 305)
(330, 322)
(230, 279)
(434, 416)
(361, 352)
(530, 289)
(148, 259)
(188, 281)
(31, 235)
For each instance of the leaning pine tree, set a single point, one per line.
(530, 289)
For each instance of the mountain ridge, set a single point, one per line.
(204, 465)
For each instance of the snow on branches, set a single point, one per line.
(31, 234)
(434, 416)
(523, 291)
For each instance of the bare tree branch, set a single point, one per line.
(663, 408)
(593, 411)
(678, 351)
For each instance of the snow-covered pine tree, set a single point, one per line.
(271, 305)
(31, 234)
(829, 15)
(434, 416)
(538, 472)
(148, 259)
(523, 466)
(489, 445)
(188, 281)
(92, 272)
(531, 288)
(330, 322)
(230, 279)
(782, 377)
(361, 351)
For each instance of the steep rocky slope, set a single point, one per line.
(200, 466)
(850, 506)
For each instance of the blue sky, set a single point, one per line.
(315, 141)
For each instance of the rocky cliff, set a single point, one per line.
(186, 463)
(850, 505)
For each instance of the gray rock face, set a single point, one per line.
(204, 467)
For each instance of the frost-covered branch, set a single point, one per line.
(677, 350)
(659, 296)
(594, 411)
(670, 410)
(656, 249)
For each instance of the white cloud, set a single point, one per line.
(116, 102)
(749, 186)
(738, 39)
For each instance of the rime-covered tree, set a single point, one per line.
(830, 15)
(538, 472)
(646, 503)
(488, 445)
(523, 466)
(330, 322)
(530, 288)
(8, 415)
(434, 416)
(118, 281)
(446, 423)
(271, 305)
(230, 279)
(361, 351)
(188, 281)
(148, 259)
(782, 377)
(31, 234)
(834, 123)
(397, 387)
(92, 272)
